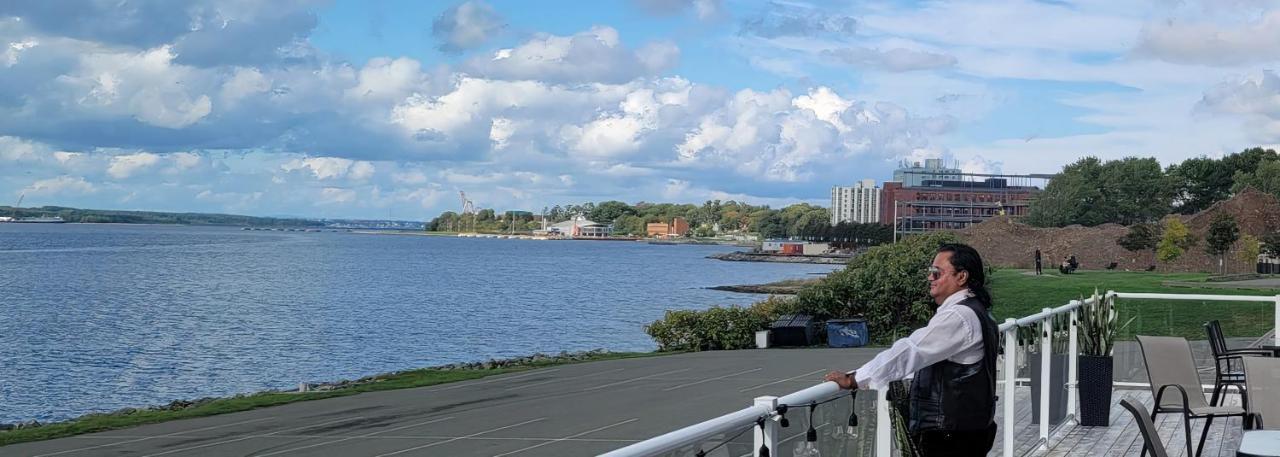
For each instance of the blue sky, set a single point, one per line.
(379, 109)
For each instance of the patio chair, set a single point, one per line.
(1112, 265)
(1262, 374)
(1228, 374)
(1171, 370)
(1150, 439)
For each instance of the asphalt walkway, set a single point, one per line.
(570, 410)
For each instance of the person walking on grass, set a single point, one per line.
(1038, 262)
(953, 395)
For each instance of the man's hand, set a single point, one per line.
(844, 380)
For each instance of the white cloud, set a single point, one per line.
(326, 168)
(125, 166)
(595, 55)
(61, 185)
(15, 50)
(336, 195)
(146, 85)
(1200, 42)
(466, 26)
(384, 79)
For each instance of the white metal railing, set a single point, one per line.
(765, 408)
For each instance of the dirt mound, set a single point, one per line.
(1007, 243)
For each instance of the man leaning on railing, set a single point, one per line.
(953, 393)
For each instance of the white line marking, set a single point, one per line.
(634, 379)
(711, 379)
(215, 443)
(490, 381)
(811, 373)
(357, 436)
(446, 437)
(152, 437)
(568, 437)
(460, 438)
(549, 381)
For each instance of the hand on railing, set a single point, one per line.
(844, 380)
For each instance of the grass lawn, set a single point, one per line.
(1017, 294)
(415, 378)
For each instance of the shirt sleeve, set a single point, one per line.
(946, 335)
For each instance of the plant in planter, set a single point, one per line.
(1097, 338)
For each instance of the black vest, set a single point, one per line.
(949, 396)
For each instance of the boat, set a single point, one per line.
(39, 220)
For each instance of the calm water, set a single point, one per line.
(100, 317)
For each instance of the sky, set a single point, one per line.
(388, 109)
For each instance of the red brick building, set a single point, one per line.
(942, 205)
(677, 227)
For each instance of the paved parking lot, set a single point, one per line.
(570, 410)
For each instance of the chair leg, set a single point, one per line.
(1186, 423)
(1217, 391)
(1204, 434)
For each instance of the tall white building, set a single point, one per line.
(860, 203)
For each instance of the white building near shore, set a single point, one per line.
(859, 203)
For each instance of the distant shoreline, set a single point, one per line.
(743, 256)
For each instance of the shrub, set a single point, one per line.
(716, 328)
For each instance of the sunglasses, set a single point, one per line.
(935, 273)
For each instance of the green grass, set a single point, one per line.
(416, 378)
(1017, 294)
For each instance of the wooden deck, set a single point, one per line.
(1122, 437)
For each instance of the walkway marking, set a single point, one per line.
(811, 373)
(509, 378)
(635, 379)
(711, 379)
(460, 438)
(628, 421)
(357, 436)
(549, 381)
(152, 437)
(215, 443)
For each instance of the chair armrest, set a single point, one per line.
(1257, 352)
(1186, 401)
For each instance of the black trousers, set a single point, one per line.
(975, 443)
(1037, 266)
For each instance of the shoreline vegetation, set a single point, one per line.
(744, 256)
(783, 287)
(184, 409)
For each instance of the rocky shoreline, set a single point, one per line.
(742, 256)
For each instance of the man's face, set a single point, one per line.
(944, 280)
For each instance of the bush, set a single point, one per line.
(717, 328)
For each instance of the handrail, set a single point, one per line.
(765, 407)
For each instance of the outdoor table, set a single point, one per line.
(1259, 443)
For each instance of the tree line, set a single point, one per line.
(713, 217)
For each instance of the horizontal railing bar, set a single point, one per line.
(1268, 298)
(692, 434)
(818, 393)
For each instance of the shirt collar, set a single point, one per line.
(956, 297)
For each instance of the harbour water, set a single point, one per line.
(101, 317)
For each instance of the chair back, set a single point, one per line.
(1150, 438)
(1169, 361)
(1262, 381)
(1217, 343)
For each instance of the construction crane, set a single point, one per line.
(468, 208)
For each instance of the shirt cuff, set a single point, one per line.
(865, 382)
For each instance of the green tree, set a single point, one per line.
(1271, 244)
(610, 211)
(629, 225)
(1175, 240)
(1250, 247)
(1090, 192)
(1141, 237)
(1200, 182)
(1266, 178)
(1223, 232)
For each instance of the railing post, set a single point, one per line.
(1276, 329)
(1010, 377)
(1046, 354)
(768, 437)
(884, 428)
(1073, 356)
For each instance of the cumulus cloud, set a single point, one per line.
(125, 166)
(1213, 43)
(466, 25)
(1257, 100)
(796, 20)
(595, 55)
(61, 185)
(893, 60)
(325, 168)
(703, 9)
(146, 85)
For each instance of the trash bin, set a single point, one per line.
(793, 330)
(762, 339)
(847, 333)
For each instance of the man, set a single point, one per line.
(1037, 261)
(953, 394)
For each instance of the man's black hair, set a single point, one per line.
(966, 258)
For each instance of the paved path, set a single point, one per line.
(570, 410)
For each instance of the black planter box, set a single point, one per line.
(1094, 373)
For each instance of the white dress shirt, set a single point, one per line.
(954, 333)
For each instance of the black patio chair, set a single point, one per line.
(1112, 265)
(1227, 373)
(1171, 369)
(1151, 268)
(1150, 439)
